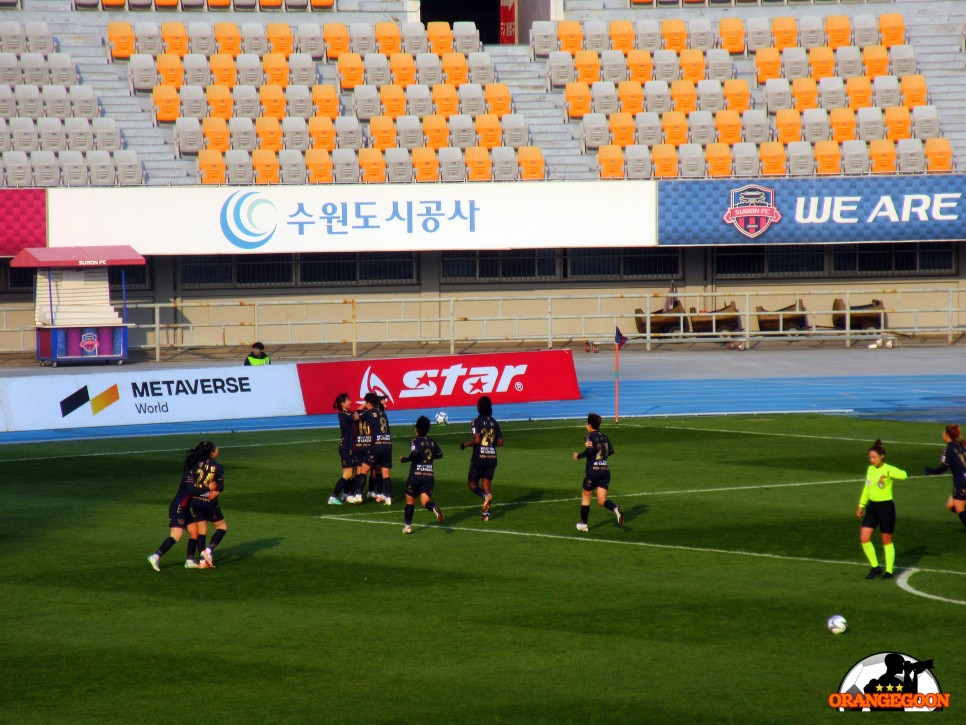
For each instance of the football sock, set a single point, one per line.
(201, 542)
(584, 513)
(360, 484)
(192, 548)
(869, 550)
(890, 556)
(387, 487)
(410, 508)
(216, 538)
(430, 506)
(478, 491)
(339, 485)
(610, 505)
(165, 545)
(962, 517)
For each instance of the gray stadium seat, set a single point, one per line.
(594, 132)
(80, 135)
(348, 133)
(244, 4)
(925, 122)
(745, 159)
(481, 68)
(666, 65)
(755, 127)
(83, 102)
(196, 70)
(362, 38)
(249, 67)
(885, 91)
(414, 37)
(52, 135)
(700, 34)
(815, 125)
(188, 137)
(33, 69)
(462, 131)
(399, 165)
(904, 60)
(637, 162)
(757, 33)
(795, 63)
(848, 61)
(243, 136)
(869, 124)
(778, 94)
(56, 101)
(8, 103)
(142, 73)
(429, 69)
(419, 100)
(377, 69)
(302, 70)
(657, 96)
(4, 135)
(472, 100)
(147, 38)
(409, 132)
(295, 132)
(254, 38)
(201, 38)
(23, 135)
(911, 156)
(466, 37)
(647, 33)
(291, 167)
(560, 69)
(855, 157)
(193, 102)
(30, 104)
(101, 165)
(811, 31)
(62, 70)
(543, 38)
(604, 97)
(365, 102)
(345, 166)
(596, 35)
(17, 169)
(831, 93)
(613, 66)
(452, 166)
(238, 167)
(13, 39)
(701, 128)
(648, 131)
(9, 69)
(73, 168)
(130, 171)
(711, 96)
(865, 30)
(801, 158)
(294, 5)
(718, 65)
(247, 103)
(298, 101)
(516, 131)
(308, 39)
(691, 163)
(505, 166)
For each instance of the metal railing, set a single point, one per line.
(540, 319)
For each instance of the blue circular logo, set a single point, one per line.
(238, 220)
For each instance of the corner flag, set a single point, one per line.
(619, 339)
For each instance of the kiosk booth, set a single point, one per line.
(72, 306)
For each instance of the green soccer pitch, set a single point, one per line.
(707, 606)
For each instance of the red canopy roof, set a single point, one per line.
(77, 257)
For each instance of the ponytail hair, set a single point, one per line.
(954, 433)
(337, 405)
(877, 447)
(197, 454)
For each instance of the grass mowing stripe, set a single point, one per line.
(645, 544)
(902, 581)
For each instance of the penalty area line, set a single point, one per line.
(902, 581)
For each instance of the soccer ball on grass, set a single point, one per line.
(836, 624)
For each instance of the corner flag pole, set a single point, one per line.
(617, 382)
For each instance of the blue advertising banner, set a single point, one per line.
(812, 211)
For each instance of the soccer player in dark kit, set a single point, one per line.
(954, 457)
(597, 449)
(179, 512)
(347, 431)
(422, 452)
(486, 437)
(380, 452)
(208, 484)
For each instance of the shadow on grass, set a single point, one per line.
(912, 557)
(602, 518)
(245, 550)
(499, 509)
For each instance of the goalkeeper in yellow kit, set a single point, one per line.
(876, 508)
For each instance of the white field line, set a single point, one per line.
(650, 545)
(902, 581)
(938, 443)
(573, 499)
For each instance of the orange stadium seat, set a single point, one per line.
(728, 125)
(805, 93)
(622, 129)
(217, 136)
(898, 123)
(610, 162)
(892, 29)
(389, 38)
(838, 31)
(577, 99)
(692, 65)
(228, 38)
(939, 155)
(684, 96)
(455, 68)
(875, 58)
(914, 91)
(436, 131)
(382, 129)
(165, 4)
(273, 102)
(446, 99)
(664, 157)
(120, 40)
(882, 152)
(269, 132)
(265, 164)
(219, 4)
(622, 35)
(587, 65)
(640, 66)
(772, 155)
(784, 30)
(788, 126)
(167, 104)
(440, 36)
(768, 62)
(211, 167)
(275, 68)
(280, 38)
(821, 59)
(570, 36)
(403, 69)
(842, 122)
(425, 164)
(220, 101)
(718, 158)
(326, 100)
(336, 37)
(531, 162)
(322, 132)
(223, 70)
(489, 131)
(322, 4)
(675, 127)
(674, 33)
(112, 4)
(268, 4)
(170, 70)
(859, 91)
(319, 165)
(631, 95)
(393, 99)
(351, 70)
(175, 38)
(498, 99)
(731, 30)
(828, 158)
(373, 165)
(479, 165)
(737, 94)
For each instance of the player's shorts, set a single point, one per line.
(415, 487)
(359, 456)
(600, 479)
(206, 511)
(379, 457)
(481, 471)
(348, 458)
(881, 514)
(179, 516)
(959, 493)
